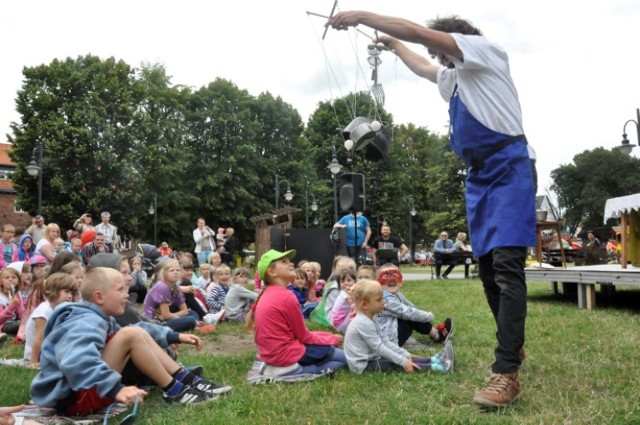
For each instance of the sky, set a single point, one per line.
(574, 63)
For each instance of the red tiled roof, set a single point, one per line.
(5, 148)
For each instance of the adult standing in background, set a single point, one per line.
(358, 232)
(486, 133)
(204, 238)
(109, 231)
(227, 247)
(84, 223)
(36, 230)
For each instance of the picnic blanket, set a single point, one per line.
(34, 415)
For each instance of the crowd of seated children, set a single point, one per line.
(60, 287)
(239, 299)
(367, 349)
(299, 287)
(400, 316)
(287, 350)
(87, 361)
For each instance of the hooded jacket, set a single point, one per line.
(19, 253)
(71, 357)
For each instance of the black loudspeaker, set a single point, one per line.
(351, 192)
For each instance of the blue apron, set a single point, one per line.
(499, 189)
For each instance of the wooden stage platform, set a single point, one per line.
(586, 278)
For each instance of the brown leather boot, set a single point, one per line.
(502, 389)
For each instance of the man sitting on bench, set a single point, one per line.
(442, 249)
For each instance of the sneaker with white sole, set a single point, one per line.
(189, 395)
(262, 373)
(447, 356)
(3, 338)
(210, 387)
(213, 318)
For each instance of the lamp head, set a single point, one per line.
(625, 146)
(33, 168)
(335, 166)
(288, 195)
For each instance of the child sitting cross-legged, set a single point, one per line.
(400, 316)
(368, 350)
(85, 352)
(287, 350)
(59, 288)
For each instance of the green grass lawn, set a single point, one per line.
(581, 368)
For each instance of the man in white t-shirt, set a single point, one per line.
(486, 133)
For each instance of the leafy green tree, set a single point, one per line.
(81, 111)
(595, 176)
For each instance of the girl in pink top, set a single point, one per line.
(286, 348)
(11, 306)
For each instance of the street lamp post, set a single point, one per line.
(335, 168)
(288, 196)
(314, 205)
(35, 169)
(153, 210)
(626, 146)
(412, 213)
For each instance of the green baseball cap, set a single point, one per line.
(271, 256)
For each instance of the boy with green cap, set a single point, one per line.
(287, 350)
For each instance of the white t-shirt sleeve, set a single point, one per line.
(44, 311)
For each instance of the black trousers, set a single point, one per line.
(406, 328)
(446, 272)
(503, 278)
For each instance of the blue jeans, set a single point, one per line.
(183, 323)
(203, 256)
(318, 358)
